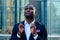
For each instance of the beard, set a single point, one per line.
(29, 17)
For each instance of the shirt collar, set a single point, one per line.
(30, 23)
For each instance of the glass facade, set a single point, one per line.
(1, 15)
(53, 17)
(6, 15)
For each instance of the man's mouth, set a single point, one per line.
(27, 13)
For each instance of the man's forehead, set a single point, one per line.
(29, 6)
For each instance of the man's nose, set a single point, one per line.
(28, 9)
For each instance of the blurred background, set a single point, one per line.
(47, 12)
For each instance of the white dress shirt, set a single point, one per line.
(27, 30)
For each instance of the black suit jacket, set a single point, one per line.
(42, 34)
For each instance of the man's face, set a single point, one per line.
(29, 11)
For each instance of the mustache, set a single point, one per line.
(28, 12)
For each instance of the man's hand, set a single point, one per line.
(21, 28)
(33, 29)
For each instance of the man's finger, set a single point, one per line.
(21, 25)
(33, 26)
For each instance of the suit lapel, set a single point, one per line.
(31, 37)
(24, 35)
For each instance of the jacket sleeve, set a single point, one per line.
(14, 33)
(42, 35)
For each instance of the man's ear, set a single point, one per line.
(35, 13)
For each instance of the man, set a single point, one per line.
(29, 29)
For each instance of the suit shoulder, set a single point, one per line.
(18, 23)
(39, 23)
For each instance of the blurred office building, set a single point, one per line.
(47, 12)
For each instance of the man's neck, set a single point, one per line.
(29, 20)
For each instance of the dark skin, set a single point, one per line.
(29, 16)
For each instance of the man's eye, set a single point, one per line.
(26, 8)
(31, 8)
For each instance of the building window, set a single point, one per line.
(53, 17)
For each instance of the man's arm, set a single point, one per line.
(43, 33)
(14, 33)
